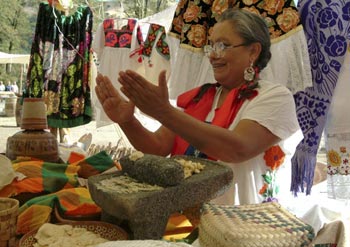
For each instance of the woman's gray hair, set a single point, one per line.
(252, 28)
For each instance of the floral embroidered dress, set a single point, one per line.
(115, 41)
(260, 178)
(59, 69)
(192, 25)
(337, 136)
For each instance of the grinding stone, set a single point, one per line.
(147, 213)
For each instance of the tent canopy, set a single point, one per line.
(14, 58)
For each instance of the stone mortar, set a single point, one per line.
(147, 213)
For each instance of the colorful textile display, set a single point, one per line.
(59, 69)
(40, 177)
(48, 177)
(326, 28)
(120, 45)
(191, 27)
(114, 41)
(37, 211)
(60, 186)
(193, 20)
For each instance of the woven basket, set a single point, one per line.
(8, 221)
(254, 225)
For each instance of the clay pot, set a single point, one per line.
(39, 144)
(34, 114)
(34, 141)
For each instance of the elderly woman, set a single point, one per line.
(235, 121)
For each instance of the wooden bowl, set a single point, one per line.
(60, 218)
(105, 230)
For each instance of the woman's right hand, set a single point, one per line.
(115, 106)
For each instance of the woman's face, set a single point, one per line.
(229, 69)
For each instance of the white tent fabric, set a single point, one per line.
(14, 58)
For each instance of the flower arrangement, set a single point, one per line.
(274, 158)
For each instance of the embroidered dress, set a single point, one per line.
(337, 137)
(326, 25)
(59, 69)
(192, 24)
(279, 118)
(114, 42)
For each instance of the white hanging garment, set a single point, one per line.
(114, 42)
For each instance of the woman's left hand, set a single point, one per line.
(150, 99)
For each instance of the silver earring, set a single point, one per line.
(249, 73)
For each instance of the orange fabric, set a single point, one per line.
(32, 218)
(197, 110)
(223, 117)
(75, 157)
(41, 177)
(178, 227)
(71, 202)
(50, 177)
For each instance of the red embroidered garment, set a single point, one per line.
(223, 117)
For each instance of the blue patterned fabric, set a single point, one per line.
(327, 29)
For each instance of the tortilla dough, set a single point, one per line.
(66, 235)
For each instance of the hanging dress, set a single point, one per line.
(59, 68)
(114, 42)
(327, 33)
(191, 27)
(337, 136)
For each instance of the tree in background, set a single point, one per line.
(125, 8)
(16, 32)
(143, 8)
(16, 26)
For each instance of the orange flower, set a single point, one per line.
(288, 20)
(178, 24)
(274, 6)
(334, 158)
(274, 157)
(218, 7)
(192, 13)
(197, 35)
(263, 189)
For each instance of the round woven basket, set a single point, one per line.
(8, 221)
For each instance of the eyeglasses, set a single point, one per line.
(219, 49)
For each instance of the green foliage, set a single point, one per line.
(15, 28)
